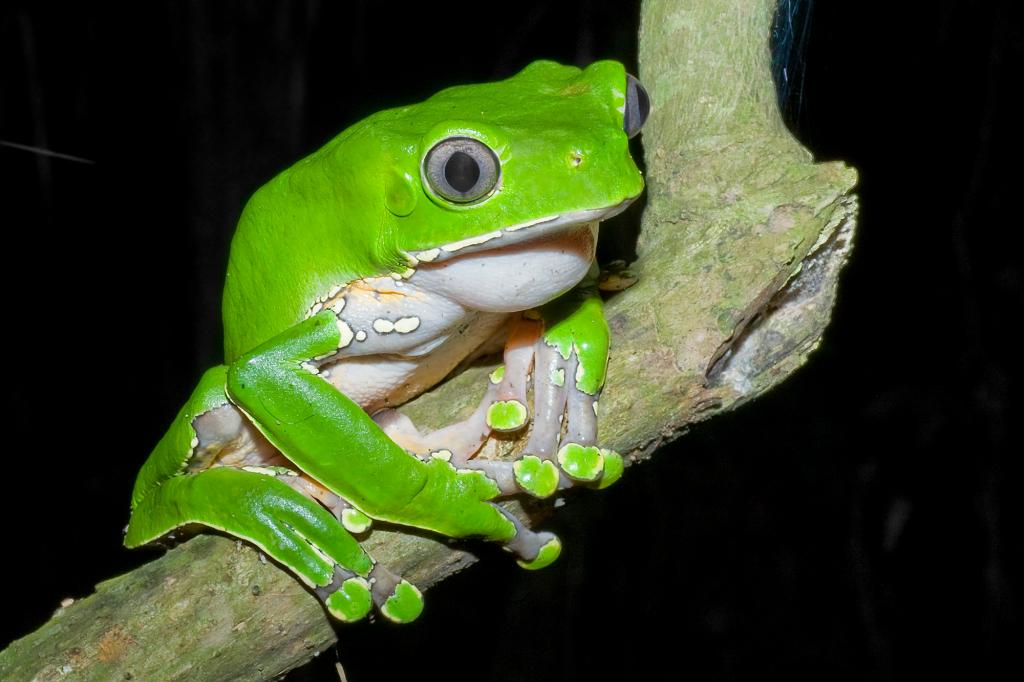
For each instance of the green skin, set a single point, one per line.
(361, 214)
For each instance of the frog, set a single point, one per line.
(416, 241)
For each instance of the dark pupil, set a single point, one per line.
(643, 104)
(461, 171)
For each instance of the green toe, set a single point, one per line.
(584, 463)
(404, 605)
(351, 601)
(545, 557)
(506, 415)
(613, 468)
(355, 521)
(537, 476)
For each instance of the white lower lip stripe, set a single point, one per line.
(531, 223)
(561, 220)
(472, 241)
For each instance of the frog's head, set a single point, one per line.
(496, 170)
(548, 142)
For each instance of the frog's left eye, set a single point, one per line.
(461, 169)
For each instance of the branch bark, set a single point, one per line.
(742, 242)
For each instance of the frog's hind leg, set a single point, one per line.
(570, 359)
(287, 526)
(245, 494)
(397, 599)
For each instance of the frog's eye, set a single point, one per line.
(638, 106)
(461, 170)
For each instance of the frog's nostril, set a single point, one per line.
(638, 106)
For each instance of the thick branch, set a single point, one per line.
(743, 238)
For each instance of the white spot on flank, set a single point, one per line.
(407, 324)
(346, 333)
(360, 335)
(429, 255)
(382, 326)
(472, 241)
(405, 274)
(334, 291)
(194, 444)
(338, 306)
(315, 309)
(310, 368)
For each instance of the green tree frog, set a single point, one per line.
(414, 241)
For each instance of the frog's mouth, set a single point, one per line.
(520, 233)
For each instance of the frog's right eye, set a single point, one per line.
(638, 106)
(461, 169)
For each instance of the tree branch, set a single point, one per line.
(743, 239)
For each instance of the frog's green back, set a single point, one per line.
(353, 208)
(300, 234)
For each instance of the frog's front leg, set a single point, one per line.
(569, 362)
(332, 439)
(562, 349)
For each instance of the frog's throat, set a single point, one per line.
(516, 234)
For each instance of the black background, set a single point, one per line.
(861, 522)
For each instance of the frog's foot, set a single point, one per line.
(294, 530)
(535, 550)
(349, 597)
(565, 422)
(397, 599)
